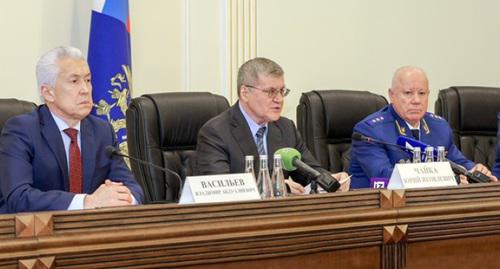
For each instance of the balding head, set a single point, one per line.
(409, 93)
(405, 73)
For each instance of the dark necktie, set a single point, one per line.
(75, 162)
(260, 140)
(416, 133)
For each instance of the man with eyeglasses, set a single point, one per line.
(254, 126)
(406, 116)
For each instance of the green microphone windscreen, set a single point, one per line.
(287, 157)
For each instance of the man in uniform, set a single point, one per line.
(406, 116)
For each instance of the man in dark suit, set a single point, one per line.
(41, 167)
(254, 126)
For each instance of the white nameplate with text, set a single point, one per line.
(219, 188)
(421, 175)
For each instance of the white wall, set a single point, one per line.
(357, 44)
(321, 44)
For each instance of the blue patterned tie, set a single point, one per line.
(260, 140)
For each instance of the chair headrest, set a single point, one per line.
(480, 105)
(12, 107)
(182, 114)
(343, 109)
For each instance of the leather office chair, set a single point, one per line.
(162, 129)
(472, 115)
(12, 107)
(325, 120)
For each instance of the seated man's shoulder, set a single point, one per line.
(285, 123)
(379, 119)
(433, 118)
(27, 121)
(218, 122)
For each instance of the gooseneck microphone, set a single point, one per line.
(474, 177)
(291, 162)
(360, 137)
(110, 151)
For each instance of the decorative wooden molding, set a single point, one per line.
(25, 225)
(40, 263)
(386, 199)
(398, 198)
(395, 233)
(394, 256)
(47, 262)
(43, 224)
(339, 230)
(27, 263)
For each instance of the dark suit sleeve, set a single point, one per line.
(16, 174)
(212, 155)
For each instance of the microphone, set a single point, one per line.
(360, 137)
(110, 151)
(474, 177)
(291, 162)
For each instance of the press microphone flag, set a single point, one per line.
(410, 143)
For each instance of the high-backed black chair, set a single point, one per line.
(472, 114)
(162, 129)
(12, 107)
(325, 120)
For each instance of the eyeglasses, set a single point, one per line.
(272, 93)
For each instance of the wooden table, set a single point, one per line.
(456, 227)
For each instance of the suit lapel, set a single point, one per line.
(88, 151)
(53, 139)
(274, 142)
(241, 132)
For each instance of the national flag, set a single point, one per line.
(109, 59)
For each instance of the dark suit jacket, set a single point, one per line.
(33, 167)
(224, 141)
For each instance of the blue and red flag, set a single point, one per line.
(109, 59)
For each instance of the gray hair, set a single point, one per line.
(249, 72)
(47, 68)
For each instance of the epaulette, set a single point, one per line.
(378, 119)
(433, 116)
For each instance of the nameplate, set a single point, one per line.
(421, 175)
(219, 188)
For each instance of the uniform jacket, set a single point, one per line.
(376, 160)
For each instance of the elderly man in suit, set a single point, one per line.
(254, 126)
(53, 158)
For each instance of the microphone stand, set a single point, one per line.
(113, 151)
(314, 186)
(472, 177)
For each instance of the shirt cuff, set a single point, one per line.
(134, 201)
(77, 202)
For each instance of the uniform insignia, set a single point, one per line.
(427, 130)
(401, 130)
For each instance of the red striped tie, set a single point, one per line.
(75, 162)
